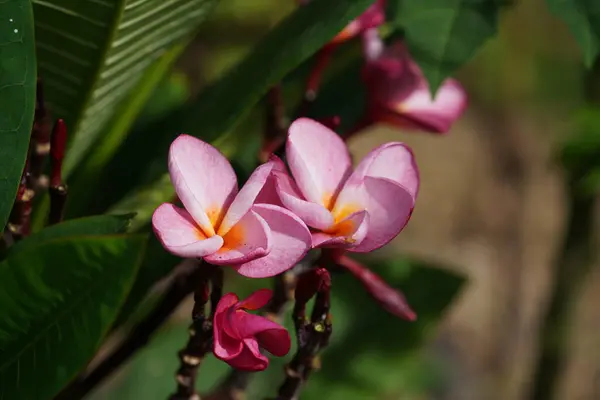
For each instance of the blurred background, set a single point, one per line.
(492, 209)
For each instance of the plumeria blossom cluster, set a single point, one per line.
(269, 225)
(315, 199)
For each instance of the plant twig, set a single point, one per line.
(312, 336)
(201, 334)
(182, 285)
(58, 189)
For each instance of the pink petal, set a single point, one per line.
(180, 235)
(389, 206)
(313, 214)
(250, 358)
(394, 161)
(290, 242)
(268, 194)
(249, 239)
(246, 196)
(275, 341)
(319, 160)
(349, 232)
(272, 336)
(256, 300)
(225, 346)
(436, 114)
(203, 180)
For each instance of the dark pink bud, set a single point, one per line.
(239, 336)
(58, 142)
(389, 298)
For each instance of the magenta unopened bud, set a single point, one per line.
(311, 282)
(388, 298)
(58, 142)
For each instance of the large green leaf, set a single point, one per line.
(56, 304)
(444, 34)
(583, 19)
(96, 225)
(93, 53)
(82, 182)
(17, 96)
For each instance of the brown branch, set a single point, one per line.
(312, 336)
(181, 286)
(201, 334)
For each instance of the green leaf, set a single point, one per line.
(17, 96)
(583, 19)
(442, 35)
(56, 304)
(82, 184)
(96, 225)
(93, 53)
(222, 105)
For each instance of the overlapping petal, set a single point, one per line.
(313, 214)
(318, 159)
(291, 240)
(394, 161)
(180, 235)
(389, 206)
(238, 335)
(247, 195)
(249, 239)
(399, 94)
(348, 232)
(435, 114)
(203, 179)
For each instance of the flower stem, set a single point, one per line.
(201, 334)
(312, 336)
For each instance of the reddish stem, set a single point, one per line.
(389, 298)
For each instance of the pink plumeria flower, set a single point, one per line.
(361, 210)
(220, 224)
(238, 335)
(398, 93)
(371, 18)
